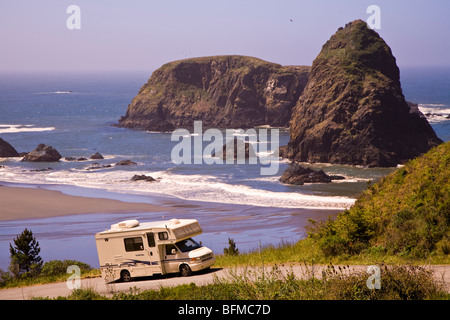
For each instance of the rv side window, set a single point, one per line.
(163, 235)
(151, 239)
(133, 244)
(169, 249)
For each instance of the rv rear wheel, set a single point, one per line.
(125, 276)
(185, 270)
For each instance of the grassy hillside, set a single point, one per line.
(407, 213)
(401, 219)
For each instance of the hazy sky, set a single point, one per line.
(144, 34)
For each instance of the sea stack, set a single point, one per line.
(222, 91)
(7, 150)
(352, 110)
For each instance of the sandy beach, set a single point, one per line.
(24, 203)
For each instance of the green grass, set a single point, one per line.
(335, 283)
(309, 251)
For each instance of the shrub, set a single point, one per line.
(397, 283)
(85, 294)
(58, 267)
(444, 246)
(349, 234)
(232, 249)
(5, 277)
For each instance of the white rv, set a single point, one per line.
(132, 249)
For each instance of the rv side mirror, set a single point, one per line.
(201, 243)
(174, 251)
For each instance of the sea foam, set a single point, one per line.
(15, 128)
(205, 188)
(435, 112)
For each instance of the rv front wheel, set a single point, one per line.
(125, 276)
(185, 270)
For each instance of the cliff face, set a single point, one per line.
(222, 91)
(352, 110)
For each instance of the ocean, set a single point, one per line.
(75, 114)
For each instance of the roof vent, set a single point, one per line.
(174, 221)
(125, 224)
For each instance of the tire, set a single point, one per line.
(125, 276)
(185, 270)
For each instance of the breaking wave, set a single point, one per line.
(55, 92)
(435, 112)
(188, 187)
(15, 128)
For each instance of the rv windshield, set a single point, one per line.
(187, 245)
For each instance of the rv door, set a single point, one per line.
(172, 258)
(153, 254)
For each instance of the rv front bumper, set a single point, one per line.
(200, 265)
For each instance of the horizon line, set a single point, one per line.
(59, 71)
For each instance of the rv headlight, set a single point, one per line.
(196, 259)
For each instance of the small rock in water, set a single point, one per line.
(43, 153)
(143, 177)
(298, 175)
(125, 163)
(96, 156)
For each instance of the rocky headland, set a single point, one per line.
(222, 91)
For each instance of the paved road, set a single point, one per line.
(52, 290)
